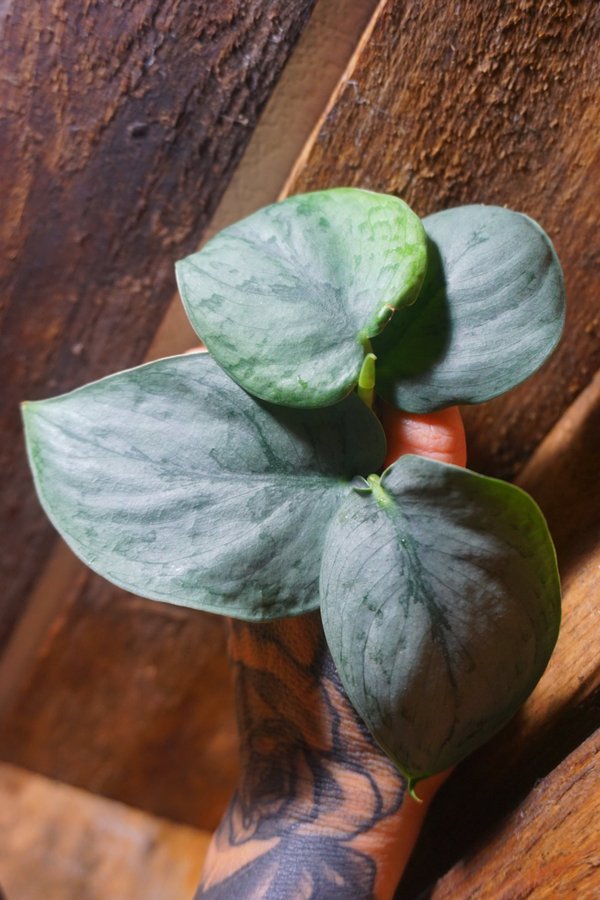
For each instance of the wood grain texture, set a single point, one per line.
(565, 707)
(310, 77)
(496, 103)
(131, 699)
(492, 103)
(546, 848)
(59, 843)
(122, 124)
(72, 701)
(507, 116)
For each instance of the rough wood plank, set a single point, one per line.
(480, 102)
(167, 743)
(494, 103)
(565, 707)
(59, 843)
(546, 848)
(562, 475)
(122, 124)
(133, 700)
(375, 139)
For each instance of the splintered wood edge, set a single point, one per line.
(289, 185)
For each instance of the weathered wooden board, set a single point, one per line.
(493, 103)
(565, 707)
(546, 848)
(482, 103)
(165, 745)
(122, 124)
(482, 128)
(133, 700)
(59, 843)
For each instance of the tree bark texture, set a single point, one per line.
(122, 124)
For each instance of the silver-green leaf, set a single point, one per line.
(287, 299)
(441, 604)
(490, 311)
(171, 481)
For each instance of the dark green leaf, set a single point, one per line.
(287, 299)
(441, 605)
(171, 481)
(490, 312)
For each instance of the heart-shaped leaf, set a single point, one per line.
(441, 604)
(173, 482)
(490, 312)
(286, 299)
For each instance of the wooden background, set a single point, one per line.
(122, 126)
(123, 129)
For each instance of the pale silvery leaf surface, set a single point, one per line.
(441, 604)
(173, 482)
(286, 299)
(490, 311)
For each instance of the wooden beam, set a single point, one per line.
(130, 699)
(123, 123)
(493, 103)
(563, 710)
(106, 690)
(304, 87)
(547, 847)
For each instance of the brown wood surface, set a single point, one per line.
(121, 126)
(131, 699)
(546, 848)
(84, 713)
(484, 102)
(565, 707)
(74, 702)
(443, 104)
(59, 843)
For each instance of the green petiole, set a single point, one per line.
(366, 380)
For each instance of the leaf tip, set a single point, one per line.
(411, 783)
